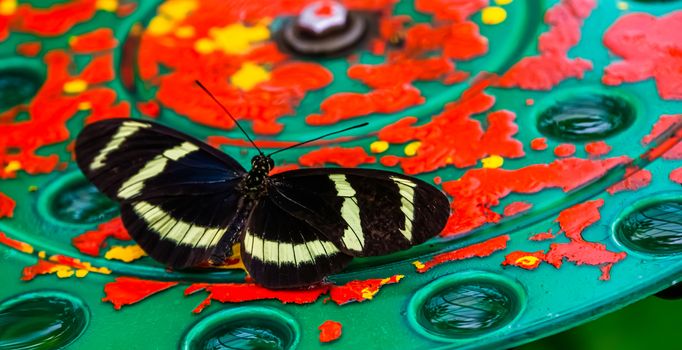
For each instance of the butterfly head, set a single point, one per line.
(254, 183)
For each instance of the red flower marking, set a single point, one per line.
(101, 39)
(130, 290)
(480, 189)
(573, 222)
(542, 236)
(516, 207)
(676, 175)
(665, 123)
(7, 205)
(329, 331)
(92, 241)
(149, 108)
(14, 244)
(597, 149)
(479, 250)
(438, 146)
(29, 49)
(564, 150)
(359, 291)
(457, 10)
(635, 179)
(345, 157)
(553, 66)
(538, 144)
(651, 47)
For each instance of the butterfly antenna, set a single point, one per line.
(228, 113)
(319, 137)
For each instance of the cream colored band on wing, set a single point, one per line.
(353, 237)
(287, 253)
(124, 131)
(177, 231)
(406, 189)
(153, 168)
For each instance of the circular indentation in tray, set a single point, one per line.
(71, 199)
(41, 320)
(19, 82)
(244, 328)
(465, 305)
(585, 116)
(654, 227)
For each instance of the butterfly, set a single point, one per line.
(186, 204)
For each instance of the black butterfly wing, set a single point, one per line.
(177, 194)
(282, 251)
(364, 212)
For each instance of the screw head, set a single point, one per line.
(322, 16)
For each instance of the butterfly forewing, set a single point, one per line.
(364, 212)
(283, 251)
(177, 194)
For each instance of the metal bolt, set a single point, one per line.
(322, 16)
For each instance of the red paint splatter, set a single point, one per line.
(676, 175)
(564, 150)
(516, 208)
(538, 144)
(130, 290)
(91, 242)
(29, 49)
(479, 250)
(478, 190)
(359, 291)
(542, 236)
(458, 10)
(63, 266)
(15, 244)
(438, 148)
(345, 157)
(7, 206)
(665, 123)
(401, 72)
(651, 47)
(101, 39)
(329, 331)
(149, 108)
(553, 66)
(573, 222)
(282, 168)
(437, 180)
(597, 149)
(236, 293)
(635, 179)
(49, 21)
(530, 102)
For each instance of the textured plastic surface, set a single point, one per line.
(473, 302)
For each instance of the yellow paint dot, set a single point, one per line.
(237, 38)
(13, 166)
(528, 260)
(160, 25)
(177, 9)
(418, 264)
(503, 2)
(125, 253)
(204, 46)
(75, 86)
(64, 271)
(411, 148)
(107, 5)
(8, 7)
(378, 146)
(41, 254)
(493, 15)
(32, 188)
(368, 293)
(492, 162)
(84, 106)
(622, 5)
(249, 75)
(80, 273)
(185, 32)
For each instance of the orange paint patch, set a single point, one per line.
(150, 108)
(345, 157)
(63, 266)
(538, 144)
(634, 179)
(359, 291)
(130, 290)
(664, 124)
(91, 242)
(542, 236)
(597, 148)
(13, 243)
(29, 49)
(516, 208)
(7, 206)
(329, 331)
(564, 150)
(101, 39)
(676, 175)
(478, 250)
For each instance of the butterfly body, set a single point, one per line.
(186, 204)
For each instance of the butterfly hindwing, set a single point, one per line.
(177, 194)
(282, 251)
(364, 212)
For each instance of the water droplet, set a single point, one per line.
(585, 117)
(81, 202)
(41, 321)
(244, 328)
(17, 86)
(655, 229)
(468, 308)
